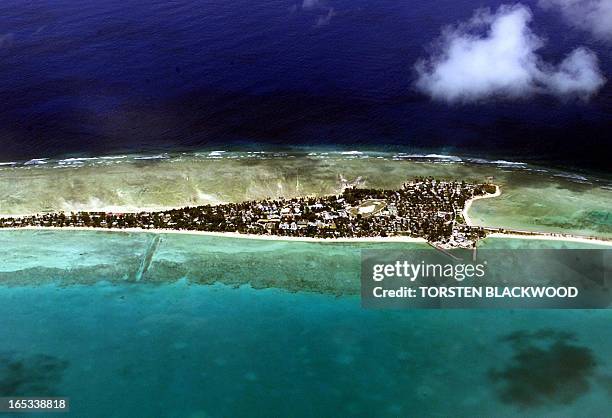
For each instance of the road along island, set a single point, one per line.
(422, 208)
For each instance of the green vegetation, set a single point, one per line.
(425, 207)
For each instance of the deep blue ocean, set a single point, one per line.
(101, 77)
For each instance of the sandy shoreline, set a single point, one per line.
(533, 235)
(529, 236)
(468, 205)
(547, 237)
(222, 234)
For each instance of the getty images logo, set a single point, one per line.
(414, 271)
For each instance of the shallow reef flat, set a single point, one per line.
(64, 257)
(553, 206)
(533, 198)
(83, 257)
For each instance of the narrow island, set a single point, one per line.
(422, 208)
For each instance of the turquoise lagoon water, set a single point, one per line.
(189, 326)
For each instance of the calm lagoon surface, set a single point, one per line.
(246, 328)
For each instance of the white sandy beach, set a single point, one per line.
(468, 205)
(527, 235)
(551, 237)
(222, 234)
(533, 235)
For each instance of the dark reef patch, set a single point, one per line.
(606, 382)
(36, 375)
(599, 220)
(547, 366)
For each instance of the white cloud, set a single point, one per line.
(494, 55)
(576, 75)
(594, 16)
